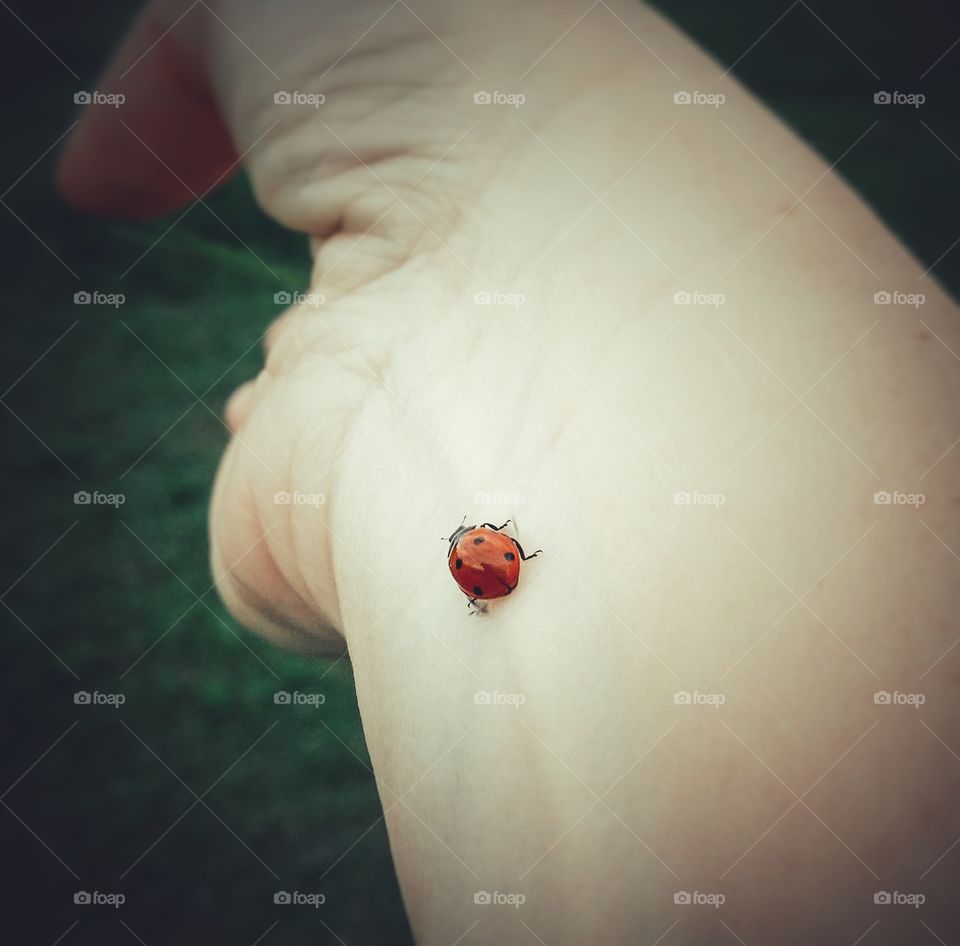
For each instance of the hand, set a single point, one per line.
(398, 391)
(592, 396)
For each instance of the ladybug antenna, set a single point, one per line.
(449, 538)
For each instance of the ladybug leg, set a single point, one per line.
(475, 608)
(523, 557)
(490, 525)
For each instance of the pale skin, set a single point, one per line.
(589, 404)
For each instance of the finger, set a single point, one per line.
(242, 401)
(238, 407)
(166, 144)
(255, 566)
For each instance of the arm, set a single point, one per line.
(597, 400)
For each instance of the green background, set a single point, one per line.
(123, 583)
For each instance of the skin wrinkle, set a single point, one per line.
(302, 539)
(353, 218)
(232, 586)
(279, 544)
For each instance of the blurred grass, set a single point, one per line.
(202, 695)
(199, 690)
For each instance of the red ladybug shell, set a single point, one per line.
(484, 563)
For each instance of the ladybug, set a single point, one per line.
(485, 562)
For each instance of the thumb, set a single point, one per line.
(166, 143)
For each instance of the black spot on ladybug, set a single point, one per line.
(458, 563)
(477, 590)
(509, 556)
(478, 541)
